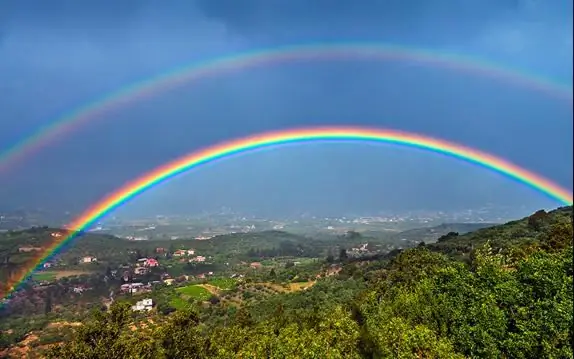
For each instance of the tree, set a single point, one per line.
(447, 236)
(100, 337)
(48, 302)
(243, 317)
(330, 258)
(180, 337)
(560, 236)
(343, 255)
(536, 220)
(214, 299)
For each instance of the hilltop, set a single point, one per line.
(531, 230)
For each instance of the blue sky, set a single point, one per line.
(57, 55)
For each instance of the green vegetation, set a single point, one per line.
(499, 292)
(178, 303)
(431, 234)
(44, 276)
(195, 291)
(502, 292)
(223, 283)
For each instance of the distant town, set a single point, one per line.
(225, 221)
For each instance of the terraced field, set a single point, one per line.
(252, 292)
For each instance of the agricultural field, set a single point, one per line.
(254, 292)
(178, 303)
(223, 283)
(44, 276)
(195, 291)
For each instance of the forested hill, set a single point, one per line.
(530, 230)
(431, 234)
(509, 297)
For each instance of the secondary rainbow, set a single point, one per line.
(269, 139)
(238, 61)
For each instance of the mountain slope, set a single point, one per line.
(533, 230)
(431, 234)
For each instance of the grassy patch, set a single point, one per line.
(223, 283)
(195, 291)
(178, 303)
(44, 276)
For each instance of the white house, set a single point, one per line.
(88, 259)
(141, 305)
(198, 259)
(132, 287)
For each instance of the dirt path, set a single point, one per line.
(63, 324)
(300, 286)
(292, 287)
(211, 288)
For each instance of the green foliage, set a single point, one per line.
(178, 303)
(511, 297)
(491, 311)
(223, 283)
(44, 276)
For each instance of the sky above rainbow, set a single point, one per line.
(296, 136)
(137, 92)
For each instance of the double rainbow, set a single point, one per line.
(271, 139)
(238, 61)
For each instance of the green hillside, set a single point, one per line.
(500, 292)
(532, 230)
(431, 234)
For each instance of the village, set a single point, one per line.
(143, 275)
(103, 276)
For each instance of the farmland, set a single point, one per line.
(223, 283)
(194, 291)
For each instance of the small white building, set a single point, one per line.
(141, 305)
(88, 259)
(198, 259)
(132, 287)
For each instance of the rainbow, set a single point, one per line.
(165, 81)
(270, 139)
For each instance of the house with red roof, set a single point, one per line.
(151, 262)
